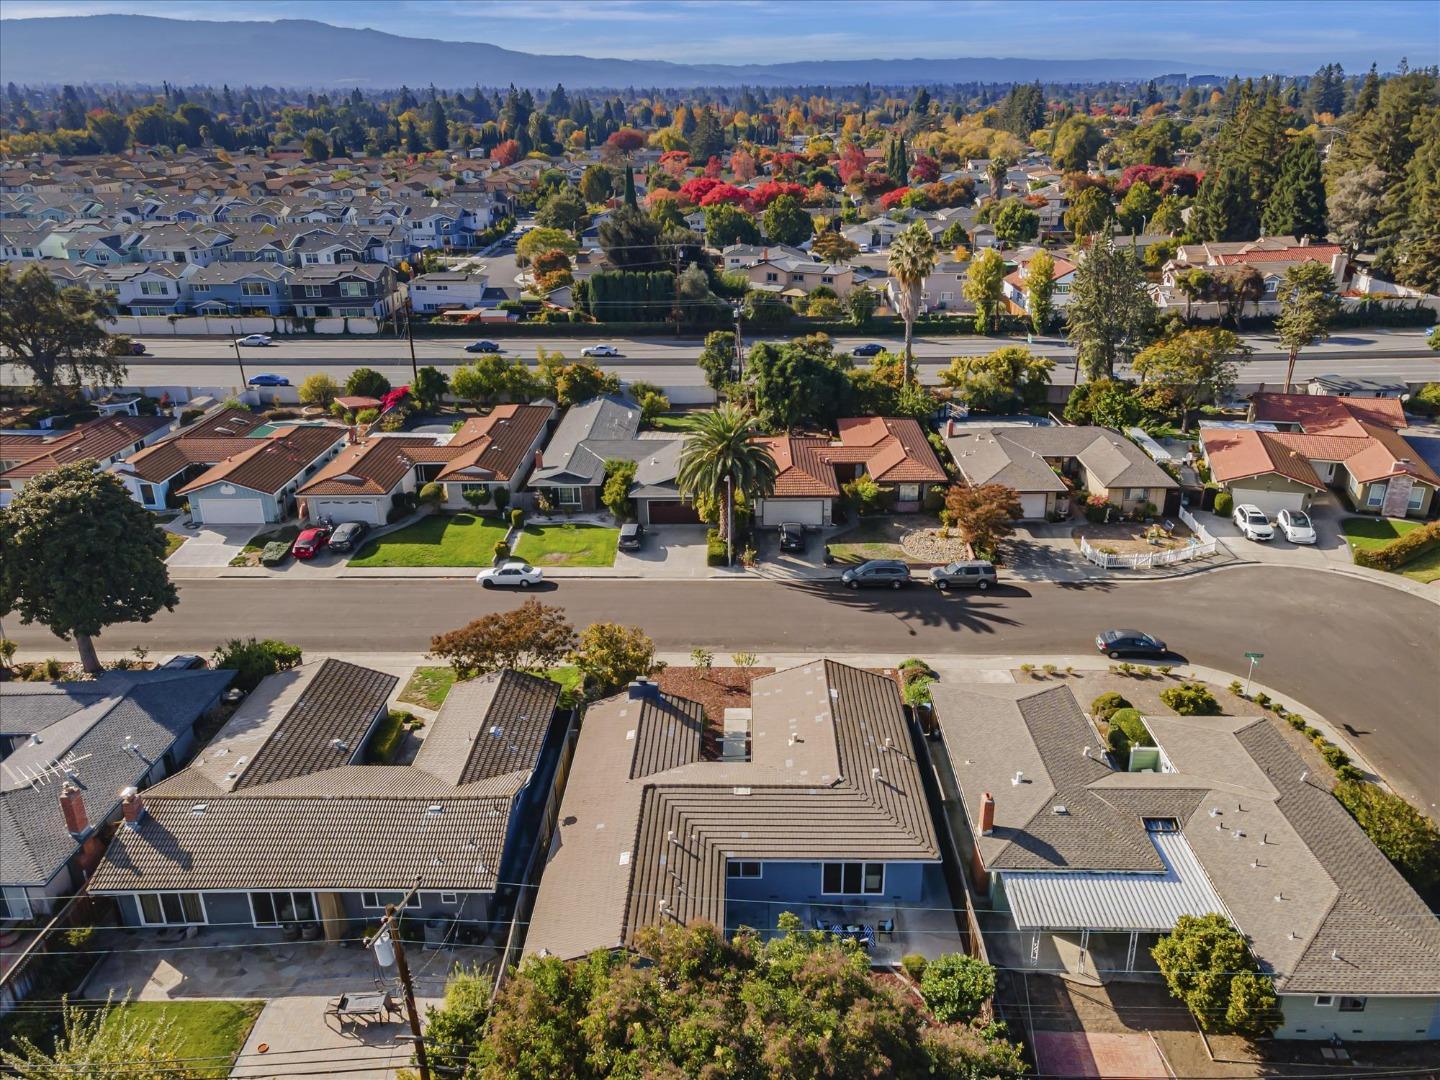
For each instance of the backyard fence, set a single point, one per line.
(46, 962)
(1202, 545)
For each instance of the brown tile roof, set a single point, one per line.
(1306, 253)
(900, 451)
(1240, 453)
(99, 439)
(801, 471)
(272, 462)
(225, 424)
(647, 828)
(368, 468)
(1322, 414)
(497, 445)
(1387, 452)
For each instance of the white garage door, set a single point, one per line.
(232, 511)
(1269, 502)
(1032, 507)
(802, 511)
(342, 510)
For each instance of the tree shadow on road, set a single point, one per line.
(917, 606)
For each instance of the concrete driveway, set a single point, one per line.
(667, 551)
(210, 545)
(1329, 549)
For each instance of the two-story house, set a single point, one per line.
(352, 289)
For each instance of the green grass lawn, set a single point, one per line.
(428, 686)
(437, 540)
(872, 538)
(1369, 532)
(173, 542)
(674, 422)
(568, 545)
(213, 1030)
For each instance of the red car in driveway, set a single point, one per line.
(310, 543)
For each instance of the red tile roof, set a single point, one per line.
(99, 439)
(801, 471)
(1240, 453)
(1323, 414)
(495, 446)
(894, 450)
(1305, 253)
(370, 468)
(270, 463)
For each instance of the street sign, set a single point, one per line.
(1253, 655)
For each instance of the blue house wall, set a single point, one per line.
(799, 883)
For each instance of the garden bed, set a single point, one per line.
(571, 544)
(912, 538)
(437, 540)
(1129, 537)
(250, 553)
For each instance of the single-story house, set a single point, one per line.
(1356, 386)
(494, 451)
(153, 475)
(1083, 862)
(891, 450)
(812, 802)
(1018, 294)
(279, 822)
(1037, 461)
(571, 468)
(362, 482)
(257, 484)
(25, 455)
(66, 752)
(1296, 445)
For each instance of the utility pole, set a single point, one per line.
(235, 341)
(410, 336)
(738, 307)
(389, 932)
(730, 520)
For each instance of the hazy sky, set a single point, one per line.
(1288, 35)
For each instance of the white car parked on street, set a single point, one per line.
(1252, 522)
(515, 573)
(600, 350)
(1297, 526)
(253, 339)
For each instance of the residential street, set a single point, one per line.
(671, 361)
(1362, 654)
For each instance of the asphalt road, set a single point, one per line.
(671, 361)
(1361, 654)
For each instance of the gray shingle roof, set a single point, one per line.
(567, 459)
(1015, 456)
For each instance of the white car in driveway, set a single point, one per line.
(512, 573)
(1252, 522)
(253, 339)
(600, 350)
(1297, 526)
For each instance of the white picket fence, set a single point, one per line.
(1202, 545)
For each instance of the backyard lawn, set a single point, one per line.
(567, 545)
(674, 422)
(1368, 532)
(429, 685)
(210, 1030)
(437, 540)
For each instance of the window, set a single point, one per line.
(909, 492)
(449, 898)
(380, 899)
(1352, 1004)
(255, 288)
(310, 258)
(314, 291)
(1324, 1001)
(149, 495)
(1061, 289)
(1376, 494)
(797, 277)
(826, 279)
(275, 908)
(567, 496)
(1417, 497)
(737, 869)
(199, 288)
(772, 277)
(1134, 494)
(171, 909)
(154, 288)
(353, 288)
(853, 877)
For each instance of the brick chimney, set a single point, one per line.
(987, 814)
(72, 805)
(539, 459)
(132, 806)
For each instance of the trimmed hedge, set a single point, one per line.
(1191, 699)
(716, 553)
(1107, 704)
(1401, 550)
(1224, 504)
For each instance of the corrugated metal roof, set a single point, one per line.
(1061, 900)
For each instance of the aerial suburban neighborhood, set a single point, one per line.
(660, 539)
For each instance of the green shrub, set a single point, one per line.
(1224, 504)
(502, 498)
(502, 550)
(1296, 722)
(253, 660)
(517, 518)
(476, 497)
(367, 416)
(1119, 743)
(955, 986)
(1131, 722)
(1191, 699)
(913, 964)
(1107, 704)
(1262, 699)
(917, 691)
(1333, 755)
(716, 553)
(1401, 550)
(865, 496)
(1407, 837)
(1348, 774)
(431, 494)
(1236, 688)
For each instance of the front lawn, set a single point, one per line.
(173, 542)
(872, 538)
(1424, 568)
(1374, 532)
(437, 540)
(210, 1033)
(568, 545)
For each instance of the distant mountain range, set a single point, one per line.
(302, 53)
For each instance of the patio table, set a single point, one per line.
(367, 1005)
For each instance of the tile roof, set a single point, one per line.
(900, 452)
(373, 467)
(497, 446)
(1375, 452)
(1307, 253)
(299, 815)
(1234, 782)
(801, 471)
(99, 439)
(272, 462)
(1241, 453)
(113, 730)
(647, 827)
(1322, 414)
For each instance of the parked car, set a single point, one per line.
(183, 662)
(1297, 526)
(515, 573)
(868, 349)
(348, 535)
(974, 574)
(877, 573)
(600, 350)
(253, 339)
(484, 346)
(274, 553)
(1118, 643)
(311, 542)
(269, 378)
(632, 536)
(1252, 522)
(792, 536)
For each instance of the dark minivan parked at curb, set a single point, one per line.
(877, 573)
(972, 574)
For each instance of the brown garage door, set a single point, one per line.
(672, 512)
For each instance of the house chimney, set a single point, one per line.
(987, 814)
(132, 805)
(950, 429)
(539, 459)
(72, 805)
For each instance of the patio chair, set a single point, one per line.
(886, 928)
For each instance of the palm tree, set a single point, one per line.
(912, 258)
(721, 458)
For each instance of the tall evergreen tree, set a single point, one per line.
(439, 128)
(630, 199)
(1224, 206)
(1297, 205)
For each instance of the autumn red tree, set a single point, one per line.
(506, 153)
(852, 163)
(675, 163)
(924, 169)
(891, 199)
(534, 635)
(764, 194)
(626, 140)
(726, 193)
(713, 168)
(742, 165)
(983, 513)
(694, 191)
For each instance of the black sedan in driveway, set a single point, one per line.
(877, 573)
(1118, 643)
(348, 536)
(792, 536)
